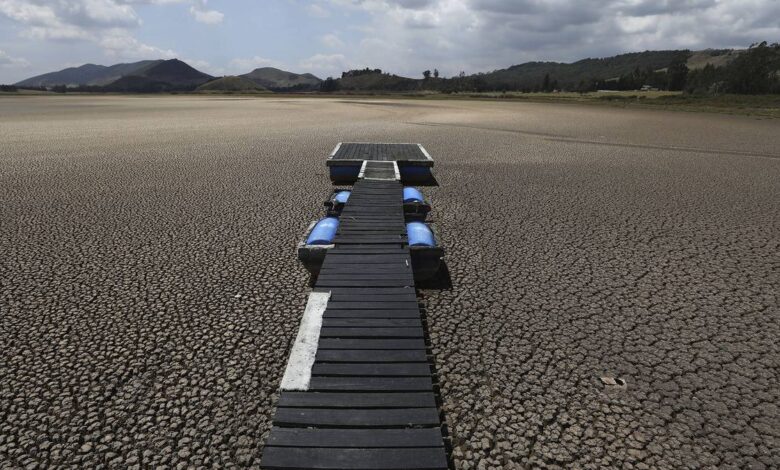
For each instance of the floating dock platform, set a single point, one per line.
(358, 391)
(414, 163)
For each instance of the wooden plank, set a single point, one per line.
(365, 259)
(352, 269)
(374, 291)
(371, 322)
(337, 343)
(354, 438)
(341, 296)
(367, 274)
(371, 384)
(357, 400)
(353, 249)
(378, 305)
(429, 458)
(356, 417)
(339, 332)
(415, 369)
(368, 313)
(371, 356)
(369, 283)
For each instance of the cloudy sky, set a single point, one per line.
(327, 36)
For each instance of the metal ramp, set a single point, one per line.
(387, 171)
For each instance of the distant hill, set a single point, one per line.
(167, 75)
(714, 57)
(569, 76)
(88, 74)
(232, 84)
(280, 80)
(656, 69)
(378, 81)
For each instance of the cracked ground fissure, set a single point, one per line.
(149, 288)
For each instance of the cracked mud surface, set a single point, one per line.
(149, 289)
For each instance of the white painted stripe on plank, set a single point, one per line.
(297, 376)
(397, 171)
(425, 152)
(335, 151)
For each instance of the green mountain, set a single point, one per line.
(87, 74)
(280, 80)
(167, 75)
(232, 84)
(569, 76)
(378, 81)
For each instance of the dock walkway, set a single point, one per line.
(369, 402)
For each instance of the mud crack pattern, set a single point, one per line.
(149, 290)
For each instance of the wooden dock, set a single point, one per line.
(365, 400)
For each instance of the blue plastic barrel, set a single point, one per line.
(419, 234)
(342, 196)
(323, 232)
(412, 195)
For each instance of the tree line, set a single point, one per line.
(753, 71)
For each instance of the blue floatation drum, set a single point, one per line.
(342, 197)
(412, 195)
(323, 232)
(419, 234)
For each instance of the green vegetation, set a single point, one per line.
(280, 80)
(753, 71)
(369, 79)
(756, 71)
(231, 84)
(586, 74)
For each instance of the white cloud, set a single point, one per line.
(332, 40)
(8, 61)
(317, 11)
(408, 36)
(324, 65)
(106, 23)
(246, 65)
(202, 14)
(120, 44)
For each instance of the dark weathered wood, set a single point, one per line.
(336, 296)
(373, 290)
(356, 417)
(389, 258)
(357, 268)
(356, 400)
(379, 152)
(371, 322)
(371, 282)
(337, 343)
(371, 356)
(429, 458)
(370, 401)
(340, 332)
(376, 305)
(368, 276)
(355, 438)
(372, 370)
(371, 384)
(369, 313)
